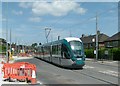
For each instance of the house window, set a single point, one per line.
(115, 43)
(108, 43)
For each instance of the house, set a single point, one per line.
(90, 41)
(113, 41)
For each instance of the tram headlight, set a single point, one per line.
(72, 47)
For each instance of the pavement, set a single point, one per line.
(104, 62)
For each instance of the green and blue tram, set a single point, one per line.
(68, 52)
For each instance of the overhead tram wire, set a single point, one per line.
(53, 24)
(57, 21)
(87, 20)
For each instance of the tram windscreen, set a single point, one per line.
(76, 46)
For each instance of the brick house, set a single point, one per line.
(90, 41)
(113, 41)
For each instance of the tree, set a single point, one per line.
(34, 45)
(40, 43)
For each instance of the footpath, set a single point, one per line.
(2, 80)
(105, 62)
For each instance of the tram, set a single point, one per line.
(67, 52)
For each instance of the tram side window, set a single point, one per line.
(46, 50)
(40, 50)
(56, 50)
(64, 52)
(53, 50)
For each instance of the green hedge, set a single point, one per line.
(116, 54)
(113, 53)
(89, 53)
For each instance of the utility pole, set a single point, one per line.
(22, 46)
(18, 49)
(51, 36)
(47, 34)
(7, 43)
(96, 36)
(7, 33)
(16, 45)
(10, 41)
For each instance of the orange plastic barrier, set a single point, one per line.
(22, 71)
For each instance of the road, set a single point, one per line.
(92, 73)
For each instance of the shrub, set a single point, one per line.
(113, 53)
(89, 53)
(2, 49)
(116, 54)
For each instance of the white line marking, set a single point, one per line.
(109, 72)
(88, 67)
(39, 82)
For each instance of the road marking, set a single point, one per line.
(109, 72)
(111, 62)
(39, 82)
(86, 67)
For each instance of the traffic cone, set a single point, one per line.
(33, 81)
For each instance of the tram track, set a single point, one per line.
(111, 84)
(89, 75)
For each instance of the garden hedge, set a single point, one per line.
(113, 53)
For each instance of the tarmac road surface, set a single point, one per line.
(92, 73)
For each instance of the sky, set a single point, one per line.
(28, 20)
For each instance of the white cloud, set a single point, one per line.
(17, 12)
(66, 0)
(55, 8)
(25, 4)
(35, 19)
